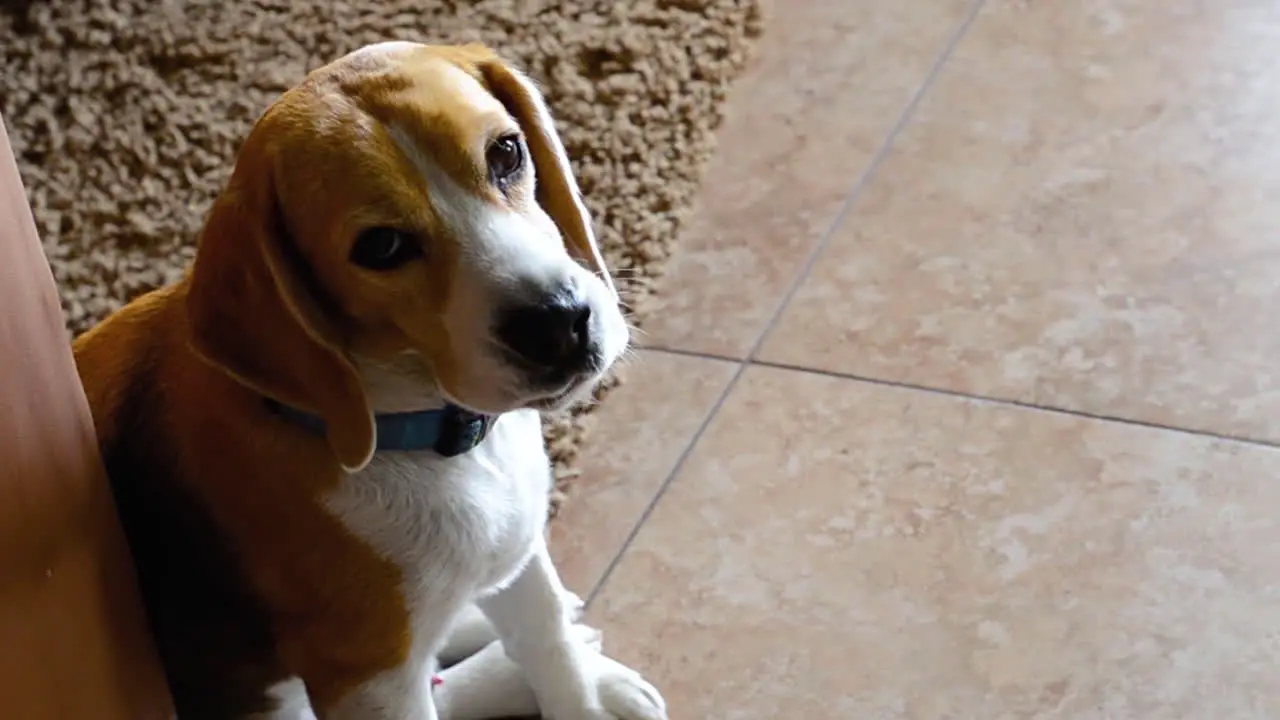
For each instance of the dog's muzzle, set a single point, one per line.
(553, 340)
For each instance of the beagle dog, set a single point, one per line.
(324, 441)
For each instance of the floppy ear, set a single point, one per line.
(557, 190)
(253, 314)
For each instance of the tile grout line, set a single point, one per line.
(984, 399)
(662, 487)
(861, 185)
(810, 261)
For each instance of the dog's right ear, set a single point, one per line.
(253, 315)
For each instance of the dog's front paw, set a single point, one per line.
(625, 695)
(612, 691)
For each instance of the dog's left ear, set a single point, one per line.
(557, 190)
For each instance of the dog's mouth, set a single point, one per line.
(544, 397)
(561, 399)
(552, 389)
(558, 400)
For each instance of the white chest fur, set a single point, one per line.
(456, 527)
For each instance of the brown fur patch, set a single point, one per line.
(246, 578)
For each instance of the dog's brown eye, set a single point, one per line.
(505, 158)
(384, 248)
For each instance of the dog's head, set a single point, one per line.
(412, 205)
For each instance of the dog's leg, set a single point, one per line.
(571, 680)
(489, 685)
(472, 631)
(403, 691)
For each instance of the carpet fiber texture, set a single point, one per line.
(126, 114)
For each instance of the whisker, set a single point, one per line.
(628, 359)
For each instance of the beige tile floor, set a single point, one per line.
(965, 397)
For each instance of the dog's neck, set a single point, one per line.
(398, 385)
(410, 413)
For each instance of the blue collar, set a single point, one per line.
(449, 431)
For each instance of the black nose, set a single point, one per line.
(551, 335)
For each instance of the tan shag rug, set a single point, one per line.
(125, 115)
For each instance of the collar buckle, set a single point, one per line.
(460, 431)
